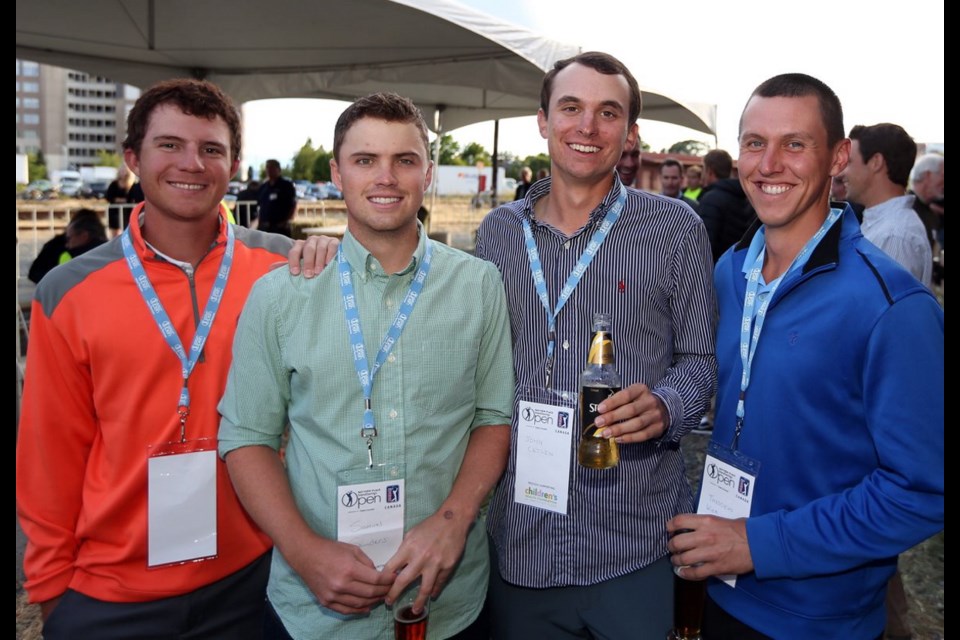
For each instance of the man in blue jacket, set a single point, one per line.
(827, 454)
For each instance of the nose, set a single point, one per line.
(386, 175)
(191, 159)
(588, 123)
(770, 163)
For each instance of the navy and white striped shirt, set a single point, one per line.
(654, 275)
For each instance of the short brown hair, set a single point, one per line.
(195, 98)
(381, 106)
(800, 85)
(719, 162)
(895, 145)
(601, 63)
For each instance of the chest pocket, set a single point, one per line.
(448, 373)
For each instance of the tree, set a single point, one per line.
(537, 162)
(474, 153)
(689, 147)
(303, 162)
(449, 150)
(108, 159)
(321, 165)
(36, 166)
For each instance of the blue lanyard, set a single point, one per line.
(748, 342)
(166, 327)
(368, 429)
(536, 268)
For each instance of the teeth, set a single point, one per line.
(584, 148)
(773, 189)
(184, 185)
(376, 200)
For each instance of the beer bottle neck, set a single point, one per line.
(601, 348)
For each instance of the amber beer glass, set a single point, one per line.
(598, 382)
(689, 597)
(408, 625)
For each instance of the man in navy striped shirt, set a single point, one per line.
(582, 553)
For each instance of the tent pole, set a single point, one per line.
(496, 163)
(438, 127)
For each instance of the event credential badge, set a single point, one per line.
(544, 436)
(370, 515)
(726, 488)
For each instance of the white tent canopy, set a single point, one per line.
(447, 57)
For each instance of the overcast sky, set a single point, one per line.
(884, 60)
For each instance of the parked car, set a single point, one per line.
(96, 189)
(40, 190)
(329, 191)
(70, 183)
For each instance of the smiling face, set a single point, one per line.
(383, 172)
(629, 165)
(587, 125)
(785, 162)
(858, 174)
(183, 163)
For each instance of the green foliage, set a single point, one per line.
(689, 147)
(321, 165)
(36, 166)
(536, 163)
(303, 162)
(474, 153)
(449, 150)
(108, 159)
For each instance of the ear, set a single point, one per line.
(877, 164)
(429, 179)
(234, 167)
(132, 161)
(542, 123)
(633, 137)
(335, 174)
(841, 156)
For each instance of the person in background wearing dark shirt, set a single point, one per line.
(277, 201)
(84, 232)
(724, 207)
(526, 179)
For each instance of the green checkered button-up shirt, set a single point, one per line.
(449, 372)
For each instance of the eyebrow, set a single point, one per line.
(173, 138)
(608, 103)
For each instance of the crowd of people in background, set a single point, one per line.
(213, 447)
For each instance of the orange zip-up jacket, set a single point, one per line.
(102, 386)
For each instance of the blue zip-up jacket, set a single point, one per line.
(844, 412)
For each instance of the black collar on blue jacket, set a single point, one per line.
(826, 252)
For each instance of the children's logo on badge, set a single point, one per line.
(744, 487)
(393, 493)
(563, 419)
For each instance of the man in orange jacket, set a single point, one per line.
(133, 526)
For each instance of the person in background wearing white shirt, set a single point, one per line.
(880, 161)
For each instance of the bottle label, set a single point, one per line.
(590, 398)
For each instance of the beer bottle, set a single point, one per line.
(598, 381)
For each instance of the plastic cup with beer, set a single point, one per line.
(689, 598)
(407, 623)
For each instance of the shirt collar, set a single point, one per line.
(541, 188)
(824, 251)
(358, 255)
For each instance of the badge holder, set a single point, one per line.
(727, 487)
(181, 502)
(545, 419)
(371, 509)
